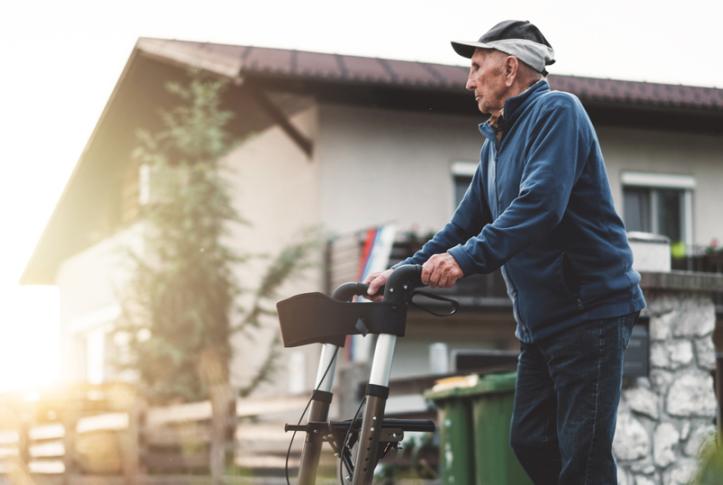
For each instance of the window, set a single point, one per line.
(96, 357)
(94, 346)
(462, 173)
(659, 203)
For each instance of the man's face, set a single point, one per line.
(487, 80)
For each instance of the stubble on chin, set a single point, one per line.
(482, 108)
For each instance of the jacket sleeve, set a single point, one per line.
(559, 143)
(468, 219)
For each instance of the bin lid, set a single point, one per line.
(472, 385)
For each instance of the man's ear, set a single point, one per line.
(512, 67)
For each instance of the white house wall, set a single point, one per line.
(700, 156)
(382, 166)
(275, 187)
(89, 284)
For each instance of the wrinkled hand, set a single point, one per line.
(376, 281)
(441, 271)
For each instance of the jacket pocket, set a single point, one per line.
(568, 277)
(546, 289)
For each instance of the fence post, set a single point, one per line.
(231, 429)
(70, 427)
(132, 444)
(221, 396)
(23, 462)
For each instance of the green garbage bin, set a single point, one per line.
(474, 427)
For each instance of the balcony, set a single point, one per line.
(702, 259)
(344, 253)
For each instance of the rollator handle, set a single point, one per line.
(402, 283)
(347, 291)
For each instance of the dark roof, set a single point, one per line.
(243, 61)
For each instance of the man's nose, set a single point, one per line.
(470, 84)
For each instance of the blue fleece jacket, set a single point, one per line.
(539, 207)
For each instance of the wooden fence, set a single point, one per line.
(109, 432)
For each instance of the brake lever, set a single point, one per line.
(453, 303)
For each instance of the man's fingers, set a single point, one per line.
(440, 271)
(377, 282)
(430, 274)
(426, 272)
(451, 282)
(443, 277)
(435, 277)
(443, 282)
(371, 277)
(373, 286)
(450, 276)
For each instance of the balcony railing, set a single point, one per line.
(701, 259)
(343, 255)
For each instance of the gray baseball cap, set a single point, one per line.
(518, 38)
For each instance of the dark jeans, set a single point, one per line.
(566, 399)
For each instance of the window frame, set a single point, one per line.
(660, 181)
(459, 169)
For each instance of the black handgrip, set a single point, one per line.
(402, 282)
(347, 291)
(399, 287)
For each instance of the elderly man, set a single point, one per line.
(539, 207)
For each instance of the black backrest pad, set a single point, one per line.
(316, 318)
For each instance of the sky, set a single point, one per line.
(60, 61)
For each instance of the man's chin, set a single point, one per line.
(485, 110)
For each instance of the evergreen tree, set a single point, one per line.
(180, 309)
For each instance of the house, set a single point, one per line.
(346, 143)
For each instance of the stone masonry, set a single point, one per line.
(665, 418)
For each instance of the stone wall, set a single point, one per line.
(664, 418)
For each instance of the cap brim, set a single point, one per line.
(466, 49)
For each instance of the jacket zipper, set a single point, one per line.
(508, 280)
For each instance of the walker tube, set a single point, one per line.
(321, 399)
(326, 360)
(382, 362)
(398, 290)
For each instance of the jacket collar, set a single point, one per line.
(514, 106)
